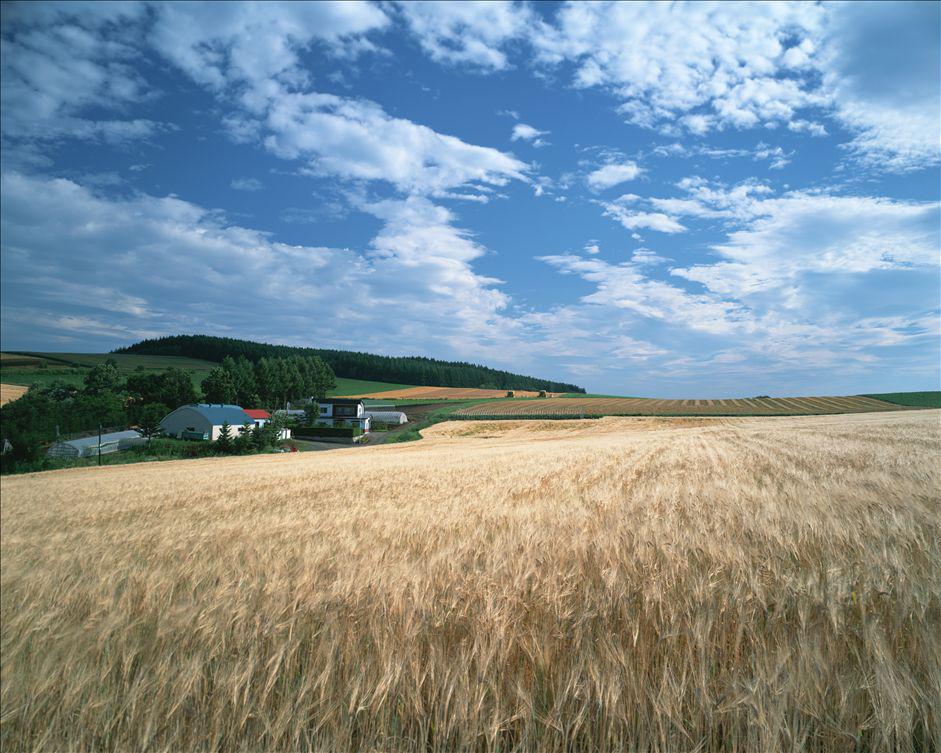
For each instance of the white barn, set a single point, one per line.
(204, 421)
(87, 447)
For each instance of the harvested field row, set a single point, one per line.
(444, 393)
(10, 392)
(635, 406)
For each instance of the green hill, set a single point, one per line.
(414, 370)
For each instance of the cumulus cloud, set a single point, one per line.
(612, 175)
(471, 32)
(524, 132)
(246, 184)
(708, 66)
(357, 139)
(64, 64)
(891, 100)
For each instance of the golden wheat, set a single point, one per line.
(615, 585)
(10, 392)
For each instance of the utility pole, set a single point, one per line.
(99, 444)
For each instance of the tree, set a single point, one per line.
(242, 373)
(242, 444)
(268, 382)
(172, 387)
(103, 377)
(224, 443)
(218, 387)
(148, 418)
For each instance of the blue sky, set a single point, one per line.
(668, 200)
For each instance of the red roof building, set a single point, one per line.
(257, 414)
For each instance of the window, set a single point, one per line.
(324, 409)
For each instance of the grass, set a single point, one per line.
(919, 399)
(71, 368)
(613, 585)
(360, 386)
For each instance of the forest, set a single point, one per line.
(414, 370)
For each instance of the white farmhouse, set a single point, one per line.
(204, 421)
(342, 411)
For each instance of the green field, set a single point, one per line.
(920, 399)
(361, 386)
(46, 368)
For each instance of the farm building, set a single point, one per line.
(88, 446)
(387, 416)
(342, 411)
(204, 421)
(262, 417)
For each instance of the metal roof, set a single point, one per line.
(256, 413)
(218, 414)
(92, 441)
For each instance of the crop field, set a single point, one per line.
(10, 392)
(620, 584)
(348, 387)
(637, 406)
(444, 393)
(71, 368)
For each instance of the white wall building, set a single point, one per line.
(204, 421)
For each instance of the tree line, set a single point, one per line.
(144, 398)
(416, 370)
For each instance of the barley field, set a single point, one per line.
(641, 406)
(618, 584)
(10, 392)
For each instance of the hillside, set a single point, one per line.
(414, 370)
(70, 368)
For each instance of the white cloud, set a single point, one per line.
(524, 132)
(890, 99)
(592, 248)
(356, 139)
(707, 65)
(221, 45)
(632, 219)
(63, 64)
(800, 234)
(646, 257)
(471, 32)
(246, 184)
(611, 175)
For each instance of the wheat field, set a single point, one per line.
(620, 584)
(10, 392)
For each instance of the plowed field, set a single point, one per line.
(633, 406)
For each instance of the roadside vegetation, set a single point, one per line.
(625, 584)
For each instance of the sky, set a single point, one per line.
(669, 199)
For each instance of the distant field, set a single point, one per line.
(10, 392)
(719, 585)
(360, 387)
(46, 368)
(636, 406)
(443, 393)
(919, 399)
